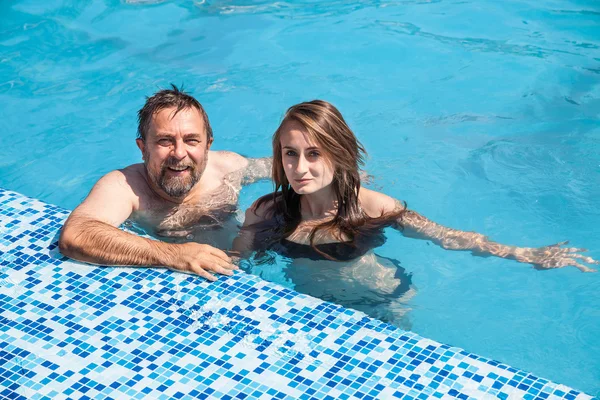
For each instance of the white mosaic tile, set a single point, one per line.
(71, 330)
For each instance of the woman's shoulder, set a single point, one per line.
(262, 209)
(375, 204)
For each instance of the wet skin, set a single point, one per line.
(180, 190)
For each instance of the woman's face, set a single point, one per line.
(306, 167)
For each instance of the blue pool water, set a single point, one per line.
(481, 115)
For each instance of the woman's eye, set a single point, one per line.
(314, 154)
(290, 153)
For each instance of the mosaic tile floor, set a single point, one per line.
(71, 330)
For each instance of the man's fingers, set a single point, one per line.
(222, 271)
(215, 261)
(213, 256)
(212, 263)
(230, 267)
(205, 271)
(205, 274)
(218, 253)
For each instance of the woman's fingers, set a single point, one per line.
(559, 258)
(581, 267)
(575, 250)
(586, 259)
(559, 244)
(555, 256)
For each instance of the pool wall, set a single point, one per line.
(73, 330)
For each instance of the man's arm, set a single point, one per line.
(257, 169)
(247, 170)
(90, 234)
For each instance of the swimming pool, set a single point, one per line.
(481, 116)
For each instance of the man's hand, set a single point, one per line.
(203, 260)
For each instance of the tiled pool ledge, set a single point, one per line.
(71, 330)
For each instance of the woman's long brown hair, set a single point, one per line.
(325, 126)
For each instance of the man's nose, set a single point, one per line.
(179, 150)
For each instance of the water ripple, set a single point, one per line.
(282, 9)
(541, 177)
(144, 2)
(472, 44)
(577, 12)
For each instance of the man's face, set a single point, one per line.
(175, 151)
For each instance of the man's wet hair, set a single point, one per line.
(169, 98)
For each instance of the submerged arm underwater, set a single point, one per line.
(547, 257)
(257, 169)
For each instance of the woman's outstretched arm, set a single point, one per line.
(554, 256)
(415, 225)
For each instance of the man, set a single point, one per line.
(182, 189)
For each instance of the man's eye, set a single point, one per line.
(164, 142)
(193, 142)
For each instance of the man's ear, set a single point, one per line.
(209, 143)
(142, 146)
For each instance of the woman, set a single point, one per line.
(319, 209)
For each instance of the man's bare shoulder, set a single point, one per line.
(128, 178)
(227, 161)
(114, 197)
(134, 171)
(127, 184)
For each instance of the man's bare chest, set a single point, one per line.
(208, 211)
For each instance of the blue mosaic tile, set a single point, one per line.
(72, 330)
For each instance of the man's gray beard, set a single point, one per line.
(176, 187)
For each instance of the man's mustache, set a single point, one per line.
(172, 162)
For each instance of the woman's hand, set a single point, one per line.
(554, 256)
